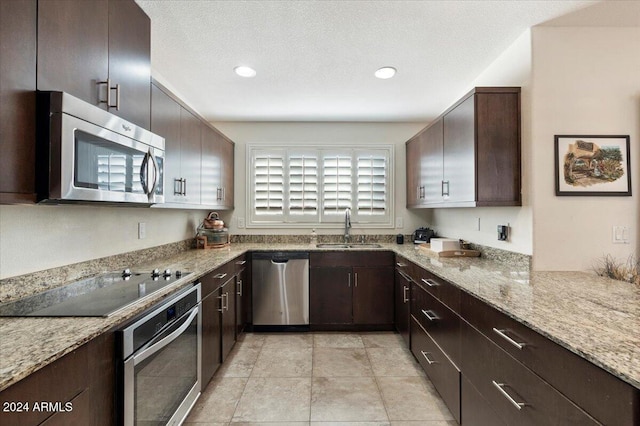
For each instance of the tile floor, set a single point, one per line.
(359, 379)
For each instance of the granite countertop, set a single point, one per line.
(594, 317)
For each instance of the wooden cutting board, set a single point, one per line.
(449, 253)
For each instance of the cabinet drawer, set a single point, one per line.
(475, 410)
(442, 324)
(515, 393)
(615, 402)
(240, 263)
(216, 278)
(441, 289)
(441, 371)
(405, 266)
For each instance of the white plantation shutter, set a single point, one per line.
(268, 184)
(371, 184)
(303, 185)
(290, 186)
(337, 188)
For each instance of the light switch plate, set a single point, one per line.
(142, 230)
(399, 223)
(241, 222)
(620, 234)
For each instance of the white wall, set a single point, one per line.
(585, 81)
(41, 237)
(511, 68)
(300, 133)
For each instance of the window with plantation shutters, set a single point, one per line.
(371, 184)
(337, 188)
(268, 184)
(290, 186)
(303, 185)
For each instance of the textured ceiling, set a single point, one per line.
(315, 59)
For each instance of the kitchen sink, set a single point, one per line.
(350, 245)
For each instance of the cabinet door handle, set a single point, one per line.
(117, 106)
(355, 279)
(239, 287)
(224, 194)
(500, 387)
(430, 315)
(349, 280)
(219, 276)
(177, 186)
(422, 192)
(502, 334)
(429, 282)
(184, 187)
(425, 355)
(221, 297)
(417, 192)
(400, 264)
(405, 298)
(445, 193)
(218, 194)
(241, 262)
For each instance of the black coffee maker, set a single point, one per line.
(423, 235)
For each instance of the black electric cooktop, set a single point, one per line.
(99, 296)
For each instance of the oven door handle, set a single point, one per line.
(155, 345)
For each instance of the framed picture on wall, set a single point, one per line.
(592, 165)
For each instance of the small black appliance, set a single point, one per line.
(423, 235)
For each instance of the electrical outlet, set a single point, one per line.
(620, 234)
(240, 222)
(399, 222)
(142, 230)
(503, 232)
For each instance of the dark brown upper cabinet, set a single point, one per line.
(98, 51)
(470, 155)
(18, 20)
(217, 169)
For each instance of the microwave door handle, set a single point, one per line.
(156, 172)
(143, 173)
(155, 345)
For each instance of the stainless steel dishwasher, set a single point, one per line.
(280, 282)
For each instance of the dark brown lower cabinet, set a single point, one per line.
(211, 336)
(402, 301)
(444, 375)
(517, 395)
(330, 297)
(351, 290)
(241, 296)
(80, 386)
(228, 317)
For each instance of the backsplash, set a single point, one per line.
(24, 285)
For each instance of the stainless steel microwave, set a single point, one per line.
(86, 154)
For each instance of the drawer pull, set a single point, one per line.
(405, 298)
(502, 334)
(425, 355)
(400, 264)
(429, 282)
(430, 315)
(500, 387)
(241, 262)
(219, 276)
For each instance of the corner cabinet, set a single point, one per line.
(217, 169)
(89, 49)
(470, 155)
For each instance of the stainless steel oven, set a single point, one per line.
(160, 362)
(87, 154)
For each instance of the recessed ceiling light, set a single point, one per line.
(244, 71)
(385, 72)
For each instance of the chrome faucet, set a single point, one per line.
(347, 224)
